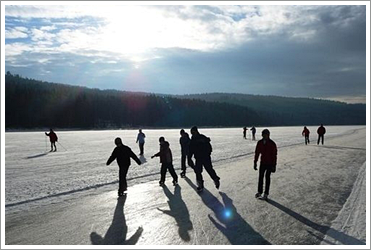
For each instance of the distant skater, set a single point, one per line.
(268, 161)
(53, 139)
(321, 131)
(244, 132)
(122, 155)
(184, 144)
(201, 148)
(253, 131)
(306, 133)
(166, 160)
(140, 139)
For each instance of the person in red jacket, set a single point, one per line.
(53, 138)
(321, 131)
(268, 161)
(306, 134)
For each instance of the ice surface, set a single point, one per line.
(31, 172)
(315, 189)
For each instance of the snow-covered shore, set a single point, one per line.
(308, 193)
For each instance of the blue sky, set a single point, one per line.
(285, 50)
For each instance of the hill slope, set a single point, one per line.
(286, 111)
(36, 104)
(32, 104)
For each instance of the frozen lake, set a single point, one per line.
(80, 162)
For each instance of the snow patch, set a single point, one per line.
(351, 221)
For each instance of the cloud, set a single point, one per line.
(136, 29)
(17, 32)
(315, 51)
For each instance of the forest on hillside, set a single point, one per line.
(289, 111)
(31, 104)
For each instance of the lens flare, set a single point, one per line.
(227, 213)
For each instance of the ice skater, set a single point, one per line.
(122, 155)
(306, 133)
(53, 139)
(184, 144)
(141, 140)
(321, 131)
(201, 148)
(244, 132)
(253, 131)
(166, 160)
(268, 161)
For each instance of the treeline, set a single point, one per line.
(288, 111)
(35, 104)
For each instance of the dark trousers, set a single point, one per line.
(53, 144)
(319, 138)
(122, 178)
(253, 136)
(306, 140)
(267, 170)
(164, 168)
(141, 147)
(183, 162)
(204, 162)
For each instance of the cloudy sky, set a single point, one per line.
(300, 51)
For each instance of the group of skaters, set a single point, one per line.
(199, 147)
(321, 131)
(253, 132)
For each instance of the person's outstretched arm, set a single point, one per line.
(135, 158)
(156, 155)
(112, 157)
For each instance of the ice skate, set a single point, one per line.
(264, 197)
(183, 174)
(258, 195)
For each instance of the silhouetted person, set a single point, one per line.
(268, 161)
(321, 131)
(253, 131)
(140, 139)
(306, 133)
(201, 148)
(122, 155)
(244, 132)
(184, 144)
(166, 160)
(53, 139)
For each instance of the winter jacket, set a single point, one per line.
(165, 153)
(140, 137)
(305, 132)
(268, 151)
(184, 143)
(52, 136)
(321, 130)
(123, 154)
(200, 146)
